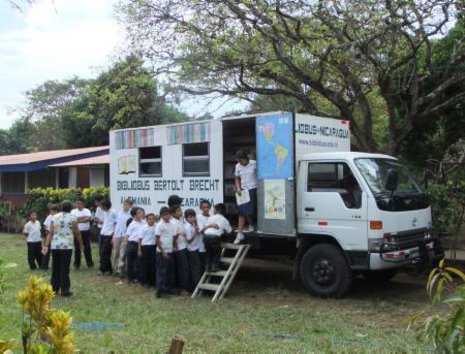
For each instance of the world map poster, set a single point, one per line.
(274, 147)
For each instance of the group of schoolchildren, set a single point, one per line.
(170, 250)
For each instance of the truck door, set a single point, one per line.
(332, 203)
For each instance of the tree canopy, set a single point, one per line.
(361, 60)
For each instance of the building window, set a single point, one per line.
(150, 161)
(196, 159)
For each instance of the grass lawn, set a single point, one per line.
(264, 312)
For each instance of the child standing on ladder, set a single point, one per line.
(216, 226)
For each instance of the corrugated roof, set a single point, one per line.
(39, 160)
(99, 160)
(47, 155)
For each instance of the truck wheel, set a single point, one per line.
(380, 276)
(324, 271)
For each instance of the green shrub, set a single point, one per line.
(38, 199)
(448, 208)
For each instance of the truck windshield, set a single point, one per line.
(407, 194)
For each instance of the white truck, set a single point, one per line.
(337, 213)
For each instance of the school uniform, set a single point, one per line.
(119, 240)
(202, 220)
(46, 258)
(212, 240)
(84, 228)
(34, 244)
(248, 176)
(182, 263)
(165, 232)
(133, 233)
(147, 269)
(194, 242)
(106, 234)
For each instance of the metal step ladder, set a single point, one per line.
(226, 276)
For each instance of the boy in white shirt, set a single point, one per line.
(106, 235)
(34, 241)
(84, 217)
(180, 250)
(119, 240)
(217, 225)
(165, 236)
(194, 241)
(147, 251)
(132, 239)
(202, 220)
(52, 210)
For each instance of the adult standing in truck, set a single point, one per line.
(245, 174)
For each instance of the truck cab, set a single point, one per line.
(358, 213)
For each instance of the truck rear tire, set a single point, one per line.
(324, 271)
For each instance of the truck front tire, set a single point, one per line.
(324, 271)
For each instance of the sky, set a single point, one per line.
(59, 39)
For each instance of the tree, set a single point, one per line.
(331, 56)
(122, 97)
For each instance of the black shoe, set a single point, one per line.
(162, 295)
(90, 265)
(68, 294)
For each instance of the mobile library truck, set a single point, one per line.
(337, 213)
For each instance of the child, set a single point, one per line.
(180, 250)
(202, 220)
(83, 217)
(194, 242)
(34, 241)
(106, 236)
(217, 225)
(132, 239)
(53, 210)
(119, 241)
(147, 251)
(165, 235)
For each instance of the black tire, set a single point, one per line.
(324, 271)
(381, 276)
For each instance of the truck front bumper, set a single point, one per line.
(427, 253)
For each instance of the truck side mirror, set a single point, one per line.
(391, 179)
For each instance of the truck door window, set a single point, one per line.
(196, 159)
(335, 177)
(150, 161)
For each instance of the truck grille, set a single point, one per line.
(410, 238)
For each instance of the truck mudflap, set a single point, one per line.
(424, 255)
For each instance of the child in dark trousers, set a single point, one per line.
(32, 230)
(147, 251)
(194, 244)
(216, 226)
(165, 236)
(53, 209)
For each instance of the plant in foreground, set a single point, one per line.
(443, 323)
(44, 330)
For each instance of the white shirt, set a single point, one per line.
(202, 220)
(121, 220)
(222, 222)
(82, 226)
(109, 222)
(166, 232)
(32, 229)
(147, 235)
(134, 230)
(48, 222)
(192, 234)
(247, 174)
(181, 242)
(99, 215)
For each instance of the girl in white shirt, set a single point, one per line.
(34, 241)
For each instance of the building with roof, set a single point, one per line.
(81, 168)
